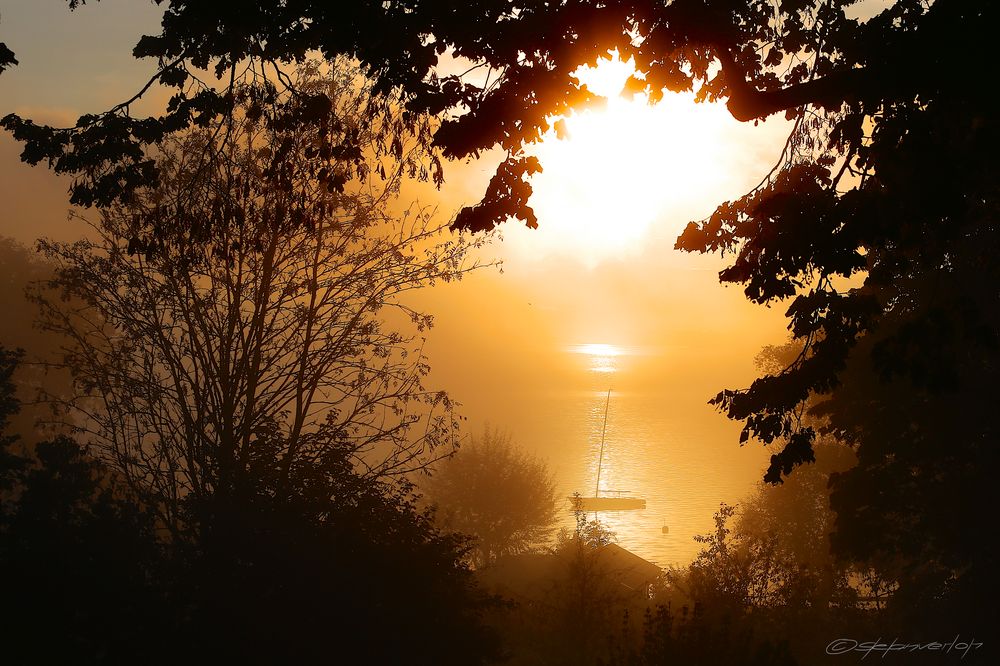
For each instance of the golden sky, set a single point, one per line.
(601, 268)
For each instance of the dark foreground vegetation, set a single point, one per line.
(335, 565)
(339, 567)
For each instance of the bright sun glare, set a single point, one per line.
(600, 357)
(628, 166)
(596, 349)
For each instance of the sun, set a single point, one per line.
(629, 167)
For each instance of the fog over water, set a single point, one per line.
(503, 344)
(661, 443)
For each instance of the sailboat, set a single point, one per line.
(610, 500)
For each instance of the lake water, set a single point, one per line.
(662, 442)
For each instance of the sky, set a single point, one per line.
(601, 269)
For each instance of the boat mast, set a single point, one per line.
(600, 462)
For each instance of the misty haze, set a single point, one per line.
(619, 333)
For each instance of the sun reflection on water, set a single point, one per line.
(602, 357)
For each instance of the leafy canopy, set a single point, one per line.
(887, 177)
(775, 55)
(248, 316)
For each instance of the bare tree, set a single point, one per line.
(247, 317)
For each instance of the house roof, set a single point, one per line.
(530, 574)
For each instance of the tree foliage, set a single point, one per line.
(338, 562)
(797, 517)
(688, 636)
(9, 404)
(567, 602)
(261, 347)
(20, 267)
(774, 55)
(249, 399)
(499, 494)
(877, 227)
(338, 559)
(7, 58)
(584, 599)
(915, 505)
(773, 550)
(873, 100)
(77, 559)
